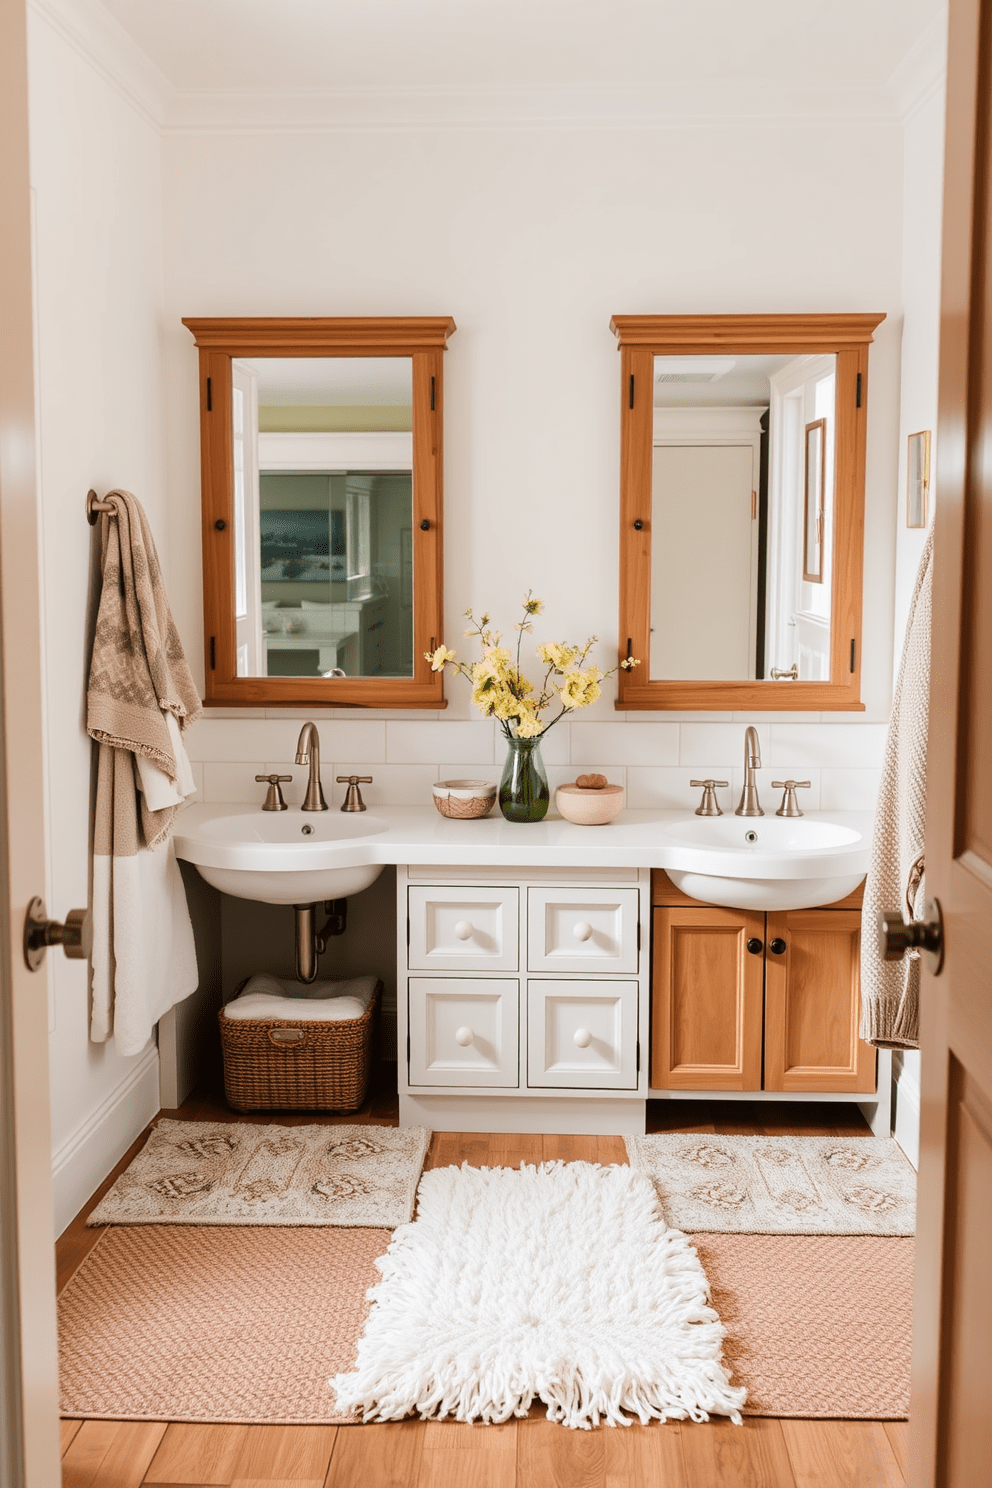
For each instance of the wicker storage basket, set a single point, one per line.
(276, 1064)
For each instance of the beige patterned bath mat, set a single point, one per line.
(243, 1173)
(780, 1185)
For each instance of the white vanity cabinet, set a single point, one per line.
(523, 999)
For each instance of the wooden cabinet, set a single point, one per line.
(742, 1000)
(706, 1007)
(813, 1002)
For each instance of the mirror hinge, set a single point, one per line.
(213, 653)
(210, 395)
(630, 395)
(854, 652)
(858, 399)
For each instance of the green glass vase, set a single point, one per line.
(523, 791)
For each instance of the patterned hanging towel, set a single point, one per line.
(890, 990)
(139, 698)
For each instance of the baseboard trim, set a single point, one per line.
(83, 1161)
(907, 1123)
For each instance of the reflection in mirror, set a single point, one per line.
(742, 517)
(323, 516)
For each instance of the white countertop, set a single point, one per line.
(207, 835)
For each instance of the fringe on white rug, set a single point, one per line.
(560, 1283)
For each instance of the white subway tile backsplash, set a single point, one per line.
(668, 715)
(461, 771)
(351, 738)
(707, 745)
(392, 785)
(776, 717)
(197, 770)
(229, 782)
(229, 739)
(849, 790)
(421, 743)
(621, 745)
(667, 788)
(825, 744)
(555, 746)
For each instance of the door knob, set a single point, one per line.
(75, 936)
(896, 937)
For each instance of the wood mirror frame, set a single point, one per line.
(221, 340)
(643, 337)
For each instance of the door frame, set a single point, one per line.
(29, 1423)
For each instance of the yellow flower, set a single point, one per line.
(580, 688)
(556, 654)
(529, 726)
(438, 658)
(630, 663)
(532, 606)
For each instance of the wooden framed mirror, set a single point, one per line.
(742, 482)
(321, 489)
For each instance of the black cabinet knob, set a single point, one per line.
(220, 524)
(638, 525)
(777, 947)
(755, 946)
(425, 526)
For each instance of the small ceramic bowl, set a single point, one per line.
(589, 808)
(464, 799)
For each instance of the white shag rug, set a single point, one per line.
(560, 1283)
(780, 1185)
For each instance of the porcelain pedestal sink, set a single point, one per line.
(284, 857)
(769, 862)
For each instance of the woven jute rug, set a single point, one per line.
(240, 1172)
(247, 1325)
(780, 1185)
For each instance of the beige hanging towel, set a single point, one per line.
(140, 697)
(890, 990)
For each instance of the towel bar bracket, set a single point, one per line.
(94, 506)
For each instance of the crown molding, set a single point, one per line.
(922, 72)
(472, 108)
(97, 37)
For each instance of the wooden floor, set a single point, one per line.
(532, 1453)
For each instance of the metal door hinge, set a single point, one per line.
(858, 398)
(854, 652)
(432, 395)
(630, 394)
(213, 653)
(210, 395)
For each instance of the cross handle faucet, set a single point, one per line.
(749, 804)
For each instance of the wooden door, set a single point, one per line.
(813, 1002)
(706, 999)
(29, 1440)
(952, 1363)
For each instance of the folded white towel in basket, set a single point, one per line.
(266, 997)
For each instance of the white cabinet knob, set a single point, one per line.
(582, 1038)
(463, 931)
(582, 930)
(464, 1036)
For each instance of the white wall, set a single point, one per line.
(95, 166)
(922, 212)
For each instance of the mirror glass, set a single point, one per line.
(742, 517)
(323, 516)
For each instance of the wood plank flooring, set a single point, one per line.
(531, 1453)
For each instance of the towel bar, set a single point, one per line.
(94, 506)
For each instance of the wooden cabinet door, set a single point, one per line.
(813, 1002)
(706, 999)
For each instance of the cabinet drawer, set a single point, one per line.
(463, 929)
(582, 1035)
(582, 930)
(463, 1032)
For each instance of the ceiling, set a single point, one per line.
(801, 49)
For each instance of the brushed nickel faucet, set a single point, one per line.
(750, 805)
(308, 753)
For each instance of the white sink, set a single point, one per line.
(769, 862)
(284, 857)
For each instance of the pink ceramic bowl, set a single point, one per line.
(589, 808)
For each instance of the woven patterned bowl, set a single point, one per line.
(463, 800)
(589, 808)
